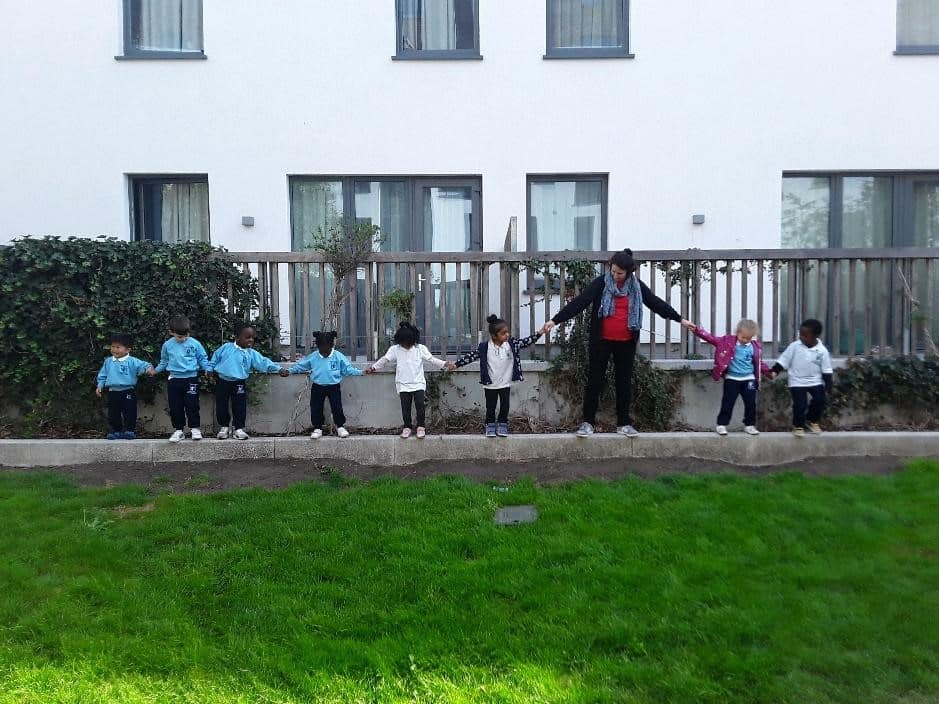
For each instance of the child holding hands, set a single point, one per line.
(327, 367)
(409, 357)
(183, 356)
(119, 375)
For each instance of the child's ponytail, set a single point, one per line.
(496, 324)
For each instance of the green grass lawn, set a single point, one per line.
(688, 589)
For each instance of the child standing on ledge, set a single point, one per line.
(409, 356)
(738, 360)
(183, 356)
(810, 374)
(232, 364)
(119, 376)
(327, 367)
(499, 367)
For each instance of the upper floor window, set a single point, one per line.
(170, 208)
(587, 29)
(163, 29)
(438, 29)
(567, 212)
(918, 26)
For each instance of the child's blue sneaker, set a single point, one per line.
(503, 430)
(490, 430)
(130, 435)
(114, 436)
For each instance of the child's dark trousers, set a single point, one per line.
(122, 410)
(234, 394)
(318, 396)
(800, 398)
(183, 398)
(418, 398)
(733, 389)
(500, 396)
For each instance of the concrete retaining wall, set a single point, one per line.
(281, 406)
(390, 451)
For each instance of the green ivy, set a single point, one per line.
(63, 297)
(905, 382)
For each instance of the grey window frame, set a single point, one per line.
(402, 54)
(531, 243)
(613, 52)
(133, 180)
(132, 53)
(914, 49)
(901, 233)
(413, 183)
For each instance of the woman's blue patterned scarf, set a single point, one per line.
(632, 290)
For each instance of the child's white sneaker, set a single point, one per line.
(177, 436)
(721, 430)
(751, 430)
(813, 428)
(342, 432)
(316, 434)
(240, 434)
(799, 432)
(405, 433)
(196, 434)
(222, 434)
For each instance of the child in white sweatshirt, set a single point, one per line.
(409, 356)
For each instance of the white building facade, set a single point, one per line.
(598, 123)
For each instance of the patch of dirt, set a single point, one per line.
(209, 477)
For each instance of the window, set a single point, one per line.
(857, 210)
(438, 29)
(567, 212)
(918, 26)
(587, 29)
(415, 214)
(163, 29)
(860, 210)
(170, 208)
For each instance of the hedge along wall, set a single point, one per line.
(63, 297)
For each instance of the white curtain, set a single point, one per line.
(185, 212)
(917, 22)
(587, 23)
(428, 24)
(169, 25)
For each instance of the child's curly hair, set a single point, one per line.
(407, 335)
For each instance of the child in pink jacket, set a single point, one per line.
(738, 359)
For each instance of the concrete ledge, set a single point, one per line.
(390, 451)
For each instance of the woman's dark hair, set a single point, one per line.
(323, 339)
(624, 260)
(122, 339)
(496, 324)
(814, 326)
(407, 335)
(179, 324)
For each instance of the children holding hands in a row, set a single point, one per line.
(738, 361)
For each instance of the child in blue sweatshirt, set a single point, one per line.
(231, 364)
(183, 356)
(119, 375)
(327, 367)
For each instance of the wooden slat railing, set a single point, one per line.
(870, 301)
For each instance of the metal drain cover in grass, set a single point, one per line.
(513, 515)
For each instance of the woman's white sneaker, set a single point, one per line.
(177, 436)
(751, 430)
(721, 430)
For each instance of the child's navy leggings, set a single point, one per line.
(183, 398)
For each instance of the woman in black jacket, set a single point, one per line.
(615, 321)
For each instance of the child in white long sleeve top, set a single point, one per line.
(808, 364)
(409, 357)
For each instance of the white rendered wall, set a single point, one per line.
(722, 97)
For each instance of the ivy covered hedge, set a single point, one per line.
(63, 297)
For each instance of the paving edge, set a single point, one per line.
(390, 451)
